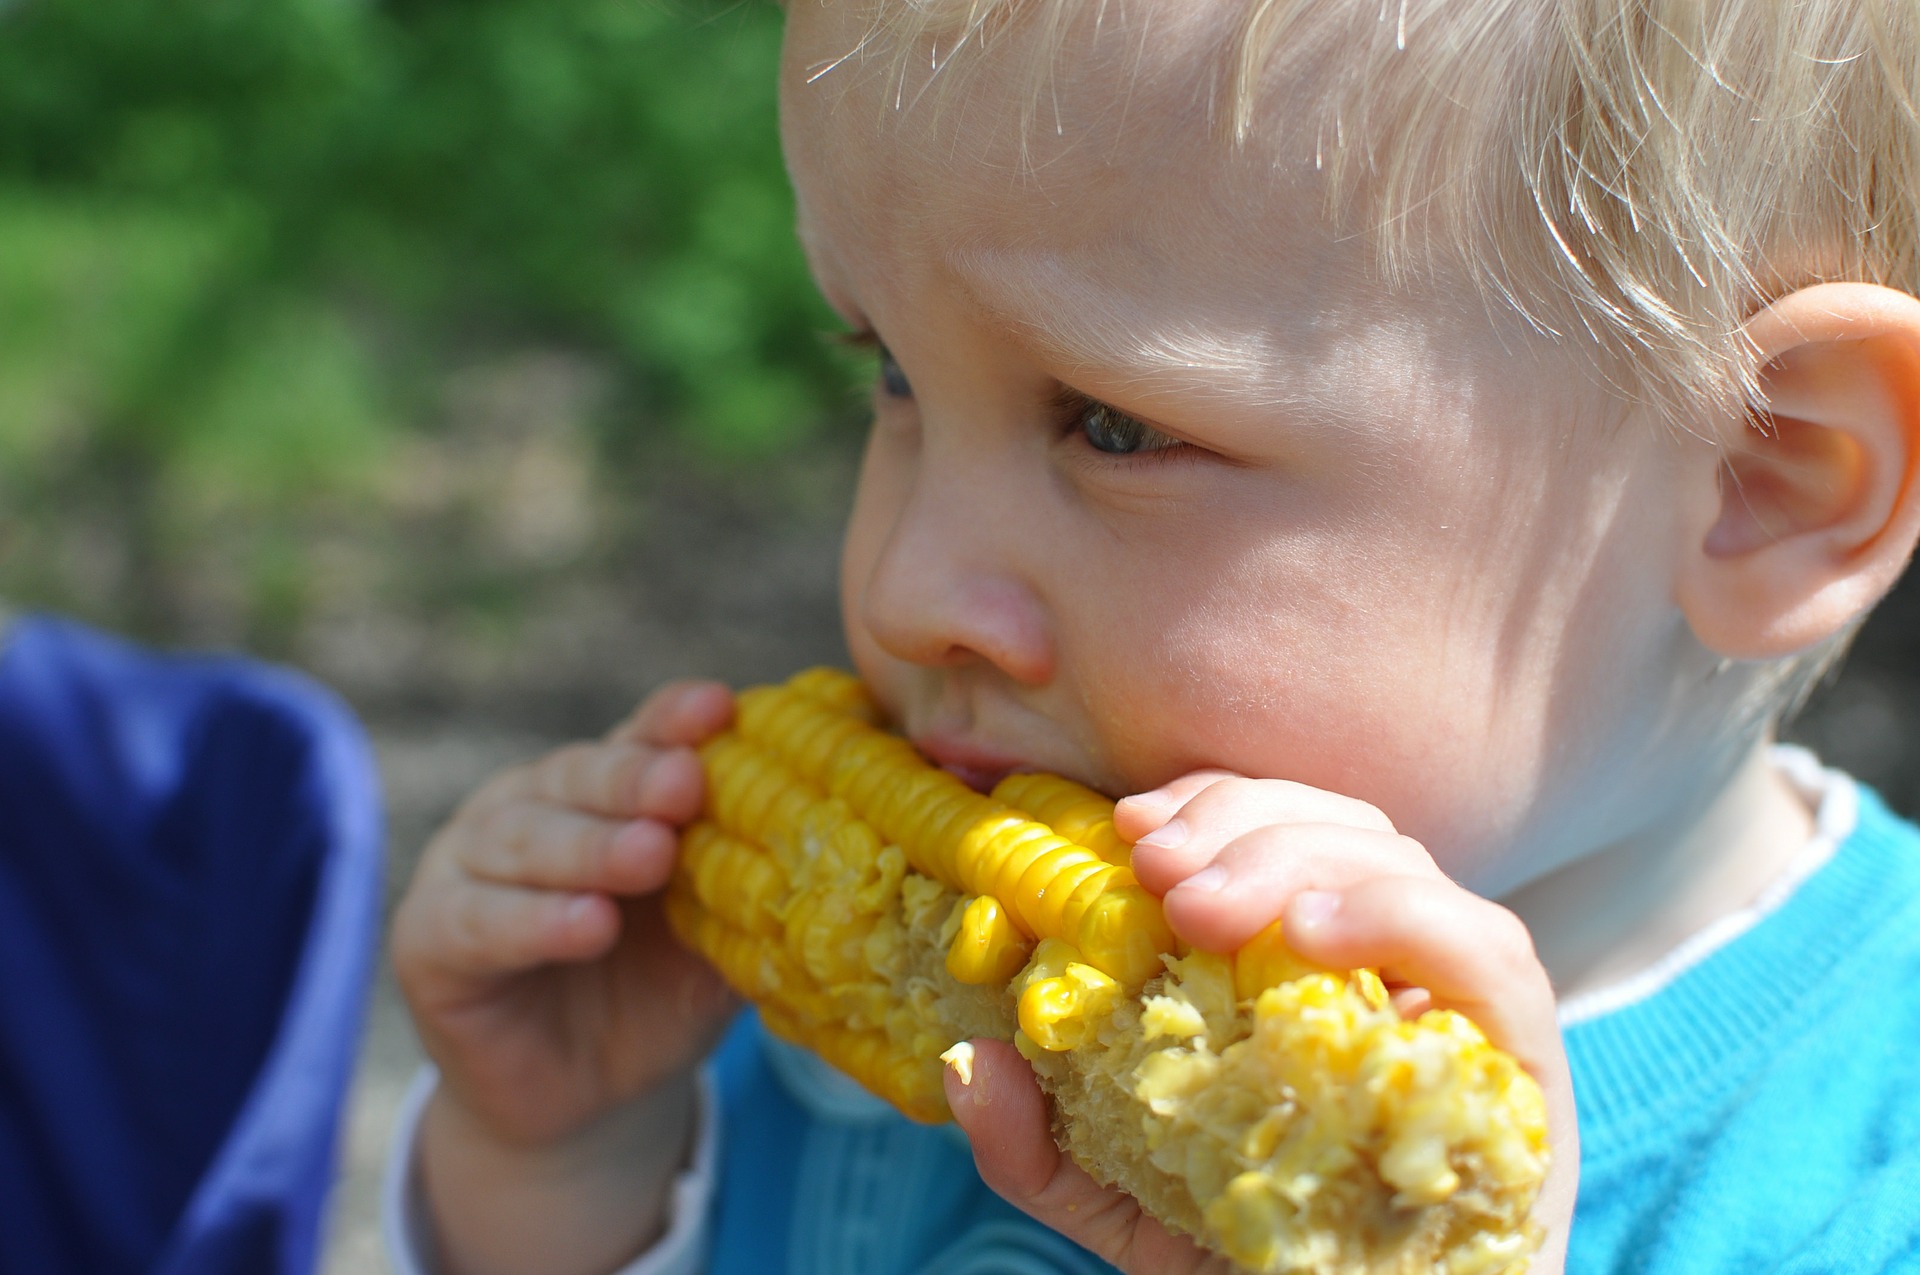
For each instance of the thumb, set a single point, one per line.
(1004, 1114)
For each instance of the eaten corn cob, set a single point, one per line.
(878, 911)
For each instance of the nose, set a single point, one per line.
(949, 585)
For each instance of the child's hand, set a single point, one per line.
(543, 979)
(1230, 855)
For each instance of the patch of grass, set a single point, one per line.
(242, 242)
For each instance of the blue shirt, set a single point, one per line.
(1760, 1112)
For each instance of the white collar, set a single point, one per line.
(1835, 800)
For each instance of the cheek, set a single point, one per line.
(876, 503)
(1349, 661)
(1284, 674)
(887, 472)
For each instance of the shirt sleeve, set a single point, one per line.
(682, 1250)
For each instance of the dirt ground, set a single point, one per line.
(734, 578)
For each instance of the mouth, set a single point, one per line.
(977, 768)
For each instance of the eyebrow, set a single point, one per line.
(1084, 328)
(1037, 296)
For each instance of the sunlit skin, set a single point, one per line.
(1381, 611)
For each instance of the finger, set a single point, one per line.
(1473, 956)
(1005, 1118)
(1249, 881)
(620, 781)
(483, 930)
(1227, 809)
(1411, 1002)
(547, 847)
(679, 714)
(1470, 954)
(1136, 816)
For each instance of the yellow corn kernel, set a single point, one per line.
(877, 909)
(827, 938)
(1123, 933)
(735, 876)
(1062, 1013)
(762, 803)
(838, 690)
(1250, 1216)
(757, 969)
(811, 733)
(1075, 811)
(791, 749)
(1266, 961)
(1062, 999)
(986, 948)
(1165, 1016)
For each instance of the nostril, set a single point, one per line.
(947, 615)
(941, 579)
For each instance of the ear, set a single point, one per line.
(1818, 505)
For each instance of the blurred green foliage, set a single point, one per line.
(242, 241)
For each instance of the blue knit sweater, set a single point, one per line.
(1758, 1113)
(1761, 1113)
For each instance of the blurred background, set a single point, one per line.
(459, 354)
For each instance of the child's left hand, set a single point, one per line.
(1230, 855)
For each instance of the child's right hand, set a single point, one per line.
(1229, 855)
(541, 974)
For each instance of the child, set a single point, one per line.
(1418, 453)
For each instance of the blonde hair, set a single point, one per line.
(1644, 174)
(1647, 173)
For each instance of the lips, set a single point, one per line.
(977, 768)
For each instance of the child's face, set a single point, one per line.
(1378, 544)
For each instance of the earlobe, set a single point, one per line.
(1818, 505)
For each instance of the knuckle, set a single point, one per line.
(588, 850)
(1101, 1222)
(1114, 1228)
(564, 764)
(1368, 815)
(466, 931)
(1238, 791)
(1222, 809)
(1414, 851)
(628, 769)
(566, 771)
(493, 843)
(520, 842)
(500, 787)
(1268, 852)
(1509, 940)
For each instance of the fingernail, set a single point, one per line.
(1208, 880)
(1170, 835)
(1312, 908)
(578, 909)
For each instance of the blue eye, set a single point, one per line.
(892, 379)
(1114, 432)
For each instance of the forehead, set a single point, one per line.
(1013, 167)
(1103, 218)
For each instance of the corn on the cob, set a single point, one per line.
(878, 911)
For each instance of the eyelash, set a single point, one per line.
(896, 385)
(1072, 411)
(1075, 411)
